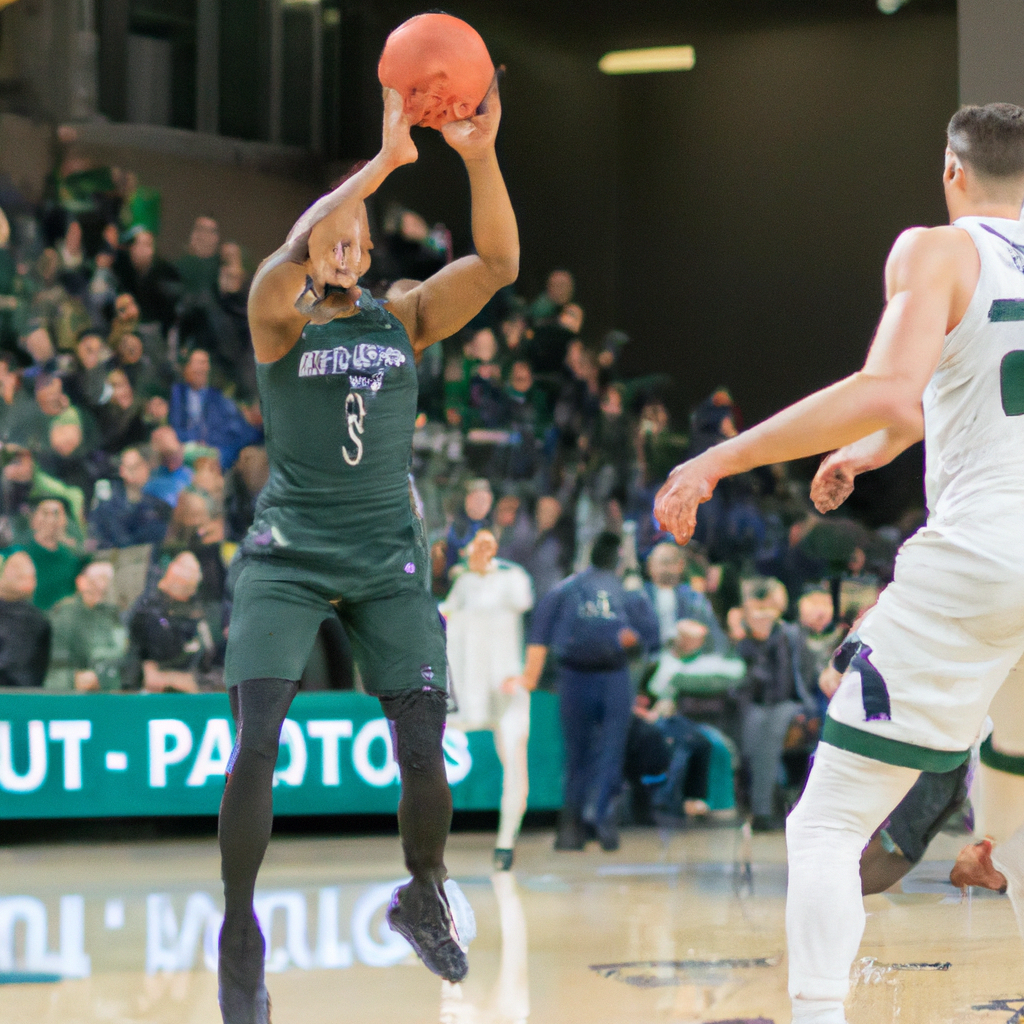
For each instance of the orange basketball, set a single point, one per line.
(440, 65)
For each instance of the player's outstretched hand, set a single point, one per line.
(397, 146)
(675, 506)
(833, 483)
(474, 136)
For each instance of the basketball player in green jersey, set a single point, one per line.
(335, 532)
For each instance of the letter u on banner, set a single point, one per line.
(36, 774)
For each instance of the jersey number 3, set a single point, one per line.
(355, 416)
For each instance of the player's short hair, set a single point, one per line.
(605, 552)
(990, 139)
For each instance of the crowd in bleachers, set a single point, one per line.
(132, 459)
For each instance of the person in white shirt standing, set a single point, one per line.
(485, 609)
(946, 364)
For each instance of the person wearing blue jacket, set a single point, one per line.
(201, 413)
(592, 624)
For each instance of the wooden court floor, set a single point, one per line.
(666, 930)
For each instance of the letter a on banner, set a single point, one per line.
(214, 752)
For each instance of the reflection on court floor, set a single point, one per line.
(676, 927)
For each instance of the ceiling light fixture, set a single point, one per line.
(890, 6)
(655, 58)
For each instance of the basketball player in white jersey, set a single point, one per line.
(946, 364)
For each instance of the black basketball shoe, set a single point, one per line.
(419, 912)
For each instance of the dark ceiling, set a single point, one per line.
(604, 23)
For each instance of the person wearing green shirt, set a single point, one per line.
(57, 565)
(199, 265)
(88, 642)
(336, 534)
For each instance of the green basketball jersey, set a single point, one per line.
(339, 412)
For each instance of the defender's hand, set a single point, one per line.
(833, 483)
(474, 136)
(397, 146)
(675, 507)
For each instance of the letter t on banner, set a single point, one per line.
(330, 732)
(72, 734)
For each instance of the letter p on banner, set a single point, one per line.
(161, 752)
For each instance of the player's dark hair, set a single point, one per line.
(605, 552)
(990, 139)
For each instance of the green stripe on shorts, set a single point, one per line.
(881, 748)
(1012, 764)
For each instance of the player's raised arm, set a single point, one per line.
(449, 299)
(928, 289)
(329, 245)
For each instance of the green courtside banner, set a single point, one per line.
(128, 755)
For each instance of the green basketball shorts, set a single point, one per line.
(390, 617)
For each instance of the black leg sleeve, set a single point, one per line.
(425, 809)
(259, 707)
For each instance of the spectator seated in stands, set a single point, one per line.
(126, 320)
(86, 378)
(22, 483)
(686, 668)
(526, 411)
(548, 348)
(128, 515)
(199, 412)
(101, 293)
(543, 548)
(659, 449)
(146, 380)
(153, 281)
(474, 515)
(472, 390)
(172, 647)
(674, 780)
(199, 266)
(194, 528)
(121, 418)
(558, 290)
(15, 402)
(67, 458)
(57, 565)
(780, 705)
(24, 629)
(89, 642)
(32, 428)
(609, 471)
(38, 343)
(822, 635)
(674, 600)
(171, 476)
(208, 481)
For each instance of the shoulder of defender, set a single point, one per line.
(919, 245)
(946, 251)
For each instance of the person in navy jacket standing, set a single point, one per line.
(592, 624)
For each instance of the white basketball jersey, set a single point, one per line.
(974, 403)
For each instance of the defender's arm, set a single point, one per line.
(833, 483)
(928, 275)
